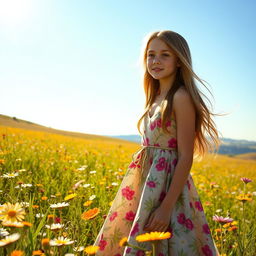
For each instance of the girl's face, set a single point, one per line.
(161, 61)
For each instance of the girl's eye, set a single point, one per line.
(166, 55)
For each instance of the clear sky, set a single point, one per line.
(73, 65)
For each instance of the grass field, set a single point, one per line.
(40, 169)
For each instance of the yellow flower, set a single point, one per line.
(70, 196)
(39, 252)
(17, 253)
(244, 198)
(92, 249)
(152, 236)
(123, 241)
(12, 212)
(90, 214)
(87, 203)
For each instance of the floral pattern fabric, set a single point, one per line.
(134, 202)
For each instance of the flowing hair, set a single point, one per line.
(204, 124)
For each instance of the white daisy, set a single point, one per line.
(55, 226)
(78, 249)
(92, 197)
(9, 239)
(86, 185)
(59, 205)
(10, 175)
(60, 241)
(3, 232)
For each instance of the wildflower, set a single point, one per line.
(10, 175)
(90, 214)
(70, 196)
(92, 249)
(9, 239)
(246, 180)
(45, 242)
(26, 224)
(60, 241)
(55, 227)
(123, 241)
(3, 232)
(78, 249)
(87, 203)
(38, 252)
(15, 224)
(35, 206)
(17, 253)
(152, 236)
(92, 197)
(59, 205)
(221, 219)
(12, 212)
(244, 198)
(44, 198)
(86, 185)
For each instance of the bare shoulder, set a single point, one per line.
(182, 98)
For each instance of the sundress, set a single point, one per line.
(134, 201)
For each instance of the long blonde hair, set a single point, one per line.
(205, 126)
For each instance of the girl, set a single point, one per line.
(157, 192)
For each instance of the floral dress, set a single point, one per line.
(134, 201)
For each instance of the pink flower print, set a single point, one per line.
(189, 224)
(172, 143)
(168, 123)
(135, 229)
(132, 165)
(181, 218)
(113, 216)
(140, 253)
(161, 164)
(198, 206)
(151, 160)
(157, 144)
(206, 229)
(207, 250)
(153, 125)
(146, 142)
(188, 184)
(128, 193)
(151, 184)
(191, 205)
(102, 244)
(130, 216)
(128, 249)
(162, 196)
(174, 162)
(159, 123)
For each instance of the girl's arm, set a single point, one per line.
(185, 119)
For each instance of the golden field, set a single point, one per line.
(40, 169)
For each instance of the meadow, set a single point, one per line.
(65, 186)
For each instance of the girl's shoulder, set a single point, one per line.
(181, 93)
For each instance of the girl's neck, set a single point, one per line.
(165, 85)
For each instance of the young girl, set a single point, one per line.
(157, 192)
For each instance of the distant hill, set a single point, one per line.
(229, 146)
(239, 148)
(23, 124)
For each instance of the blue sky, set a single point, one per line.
(73, 65)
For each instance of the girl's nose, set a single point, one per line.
(156, 60)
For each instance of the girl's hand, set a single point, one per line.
(159, 220)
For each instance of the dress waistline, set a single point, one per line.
(141, 155)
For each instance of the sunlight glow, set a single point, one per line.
(14, 12)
